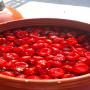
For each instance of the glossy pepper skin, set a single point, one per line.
(44, 53)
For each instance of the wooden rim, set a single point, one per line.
(45, 21)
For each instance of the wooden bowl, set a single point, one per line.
(12, 83)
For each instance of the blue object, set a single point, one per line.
(1, 0)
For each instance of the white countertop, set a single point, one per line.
(34, 9)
